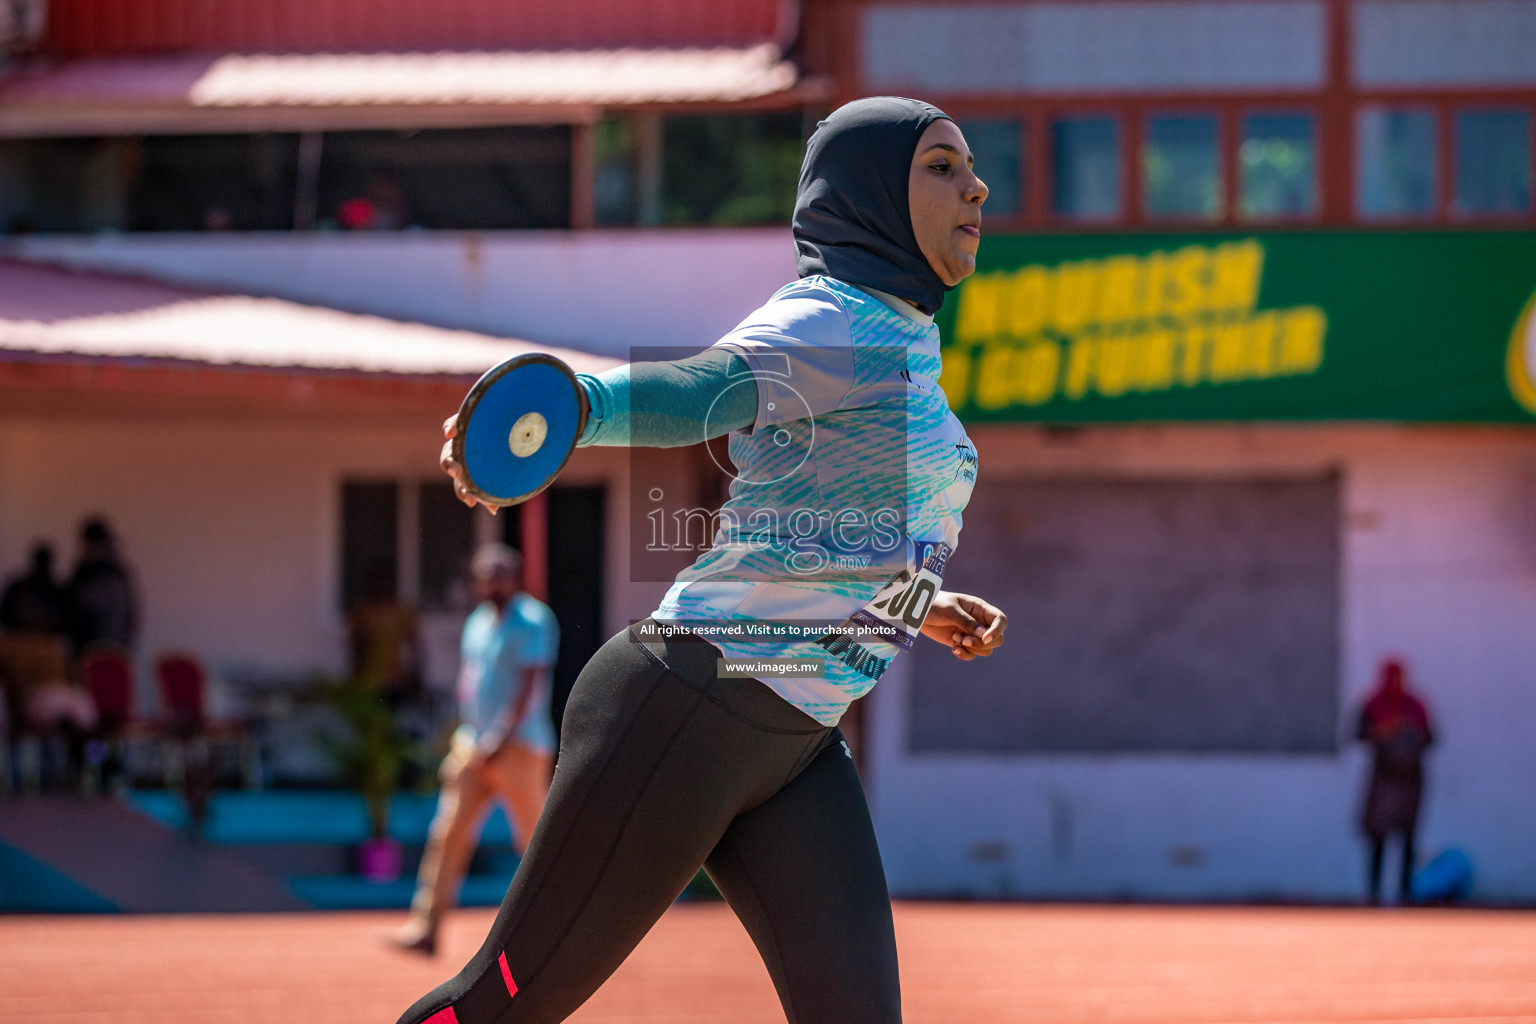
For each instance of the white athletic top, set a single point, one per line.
(848, 494)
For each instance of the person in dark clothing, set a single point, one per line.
(34, 602)
(40, 698)
(102, 607)
(1396, 725)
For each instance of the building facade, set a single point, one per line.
(1248, 360)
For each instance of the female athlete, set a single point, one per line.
(851, 475)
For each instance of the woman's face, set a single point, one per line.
(945, 197)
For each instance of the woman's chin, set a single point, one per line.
(958, 270)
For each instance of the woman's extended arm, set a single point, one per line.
(670, 404)
(652, 405)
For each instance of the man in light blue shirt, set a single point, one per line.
(505, 743)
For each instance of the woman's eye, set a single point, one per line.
(942, 167)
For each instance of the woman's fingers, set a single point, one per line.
(994, 632)
(963, 618)
(453, 469)
(991, 620)
(451, 466)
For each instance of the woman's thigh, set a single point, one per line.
(651, 772)
(803, 873)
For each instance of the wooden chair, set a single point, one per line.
(31, 664)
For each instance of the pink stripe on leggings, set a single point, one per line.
(506, 975)
(443, 1016)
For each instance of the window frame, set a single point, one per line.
(1029, 142)
(1435, 215)
(1128, 138)
(1451, 129)
(1335, 113)
(1444, 104)
(1319, 179)
(1224, 142)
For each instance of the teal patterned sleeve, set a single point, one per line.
(671, 404)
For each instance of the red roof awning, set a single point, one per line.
(290, 91)
(100, 332)
(46, 311)
(99, 28)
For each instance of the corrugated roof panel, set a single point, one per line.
(611, 77)
(120, 27)
(63, 314)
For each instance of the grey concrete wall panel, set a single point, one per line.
(1206, 45)
(1437, 43)
(1145, 616)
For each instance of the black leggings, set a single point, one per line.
(663, 767)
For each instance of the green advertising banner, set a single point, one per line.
(1401, 326)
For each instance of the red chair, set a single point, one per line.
(108, 677)
(183, 706)
(182, 682)
(107, 673)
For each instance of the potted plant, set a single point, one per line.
(371, 758)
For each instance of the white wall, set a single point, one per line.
(671, 287)
(1439, 565)
(232, 526)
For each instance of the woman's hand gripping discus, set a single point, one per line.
(451, 466)
(516, 429)
(968, 626)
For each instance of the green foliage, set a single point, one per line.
(731, 169)
(374, 752)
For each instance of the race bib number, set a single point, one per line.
(898, 610)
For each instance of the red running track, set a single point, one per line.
(961, 964)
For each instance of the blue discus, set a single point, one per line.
(517, 427)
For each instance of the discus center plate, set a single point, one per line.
(528, 434)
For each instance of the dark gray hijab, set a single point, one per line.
(852, 218)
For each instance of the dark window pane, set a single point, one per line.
(730, 168)
(444, 546)
(1493, 162)
(613, 183)
(214, 183)
(67, 184)
(998, 145)
(483, 178)
(1277, 165)
(370, 523)
(1395, 157)
(1085, 161)
(1180, 173)
(464, 179)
